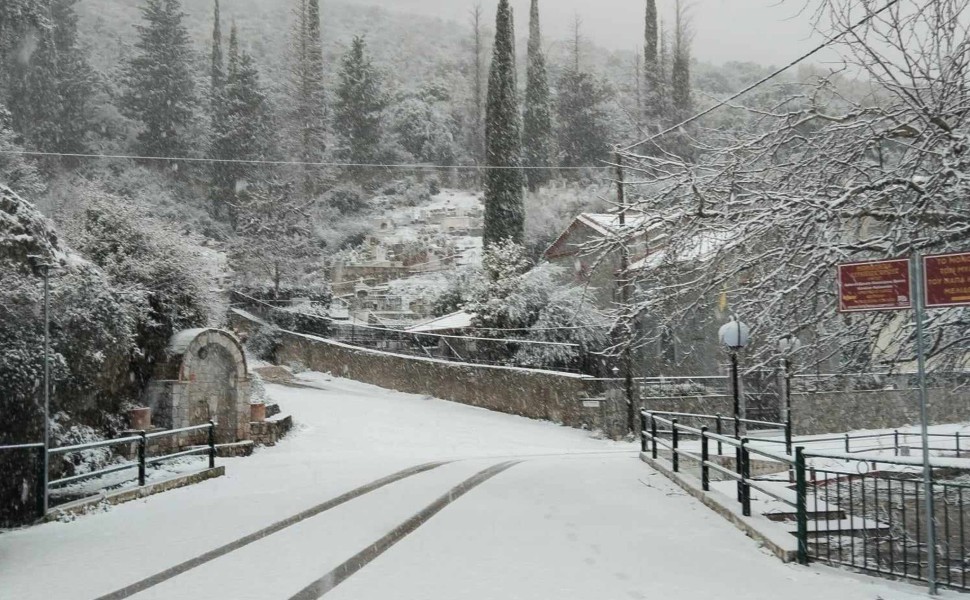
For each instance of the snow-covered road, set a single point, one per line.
(570, 517)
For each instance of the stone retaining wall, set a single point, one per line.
(556, 397)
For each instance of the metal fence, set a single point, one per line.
(864, 512)
(142, 461)
(23, 470)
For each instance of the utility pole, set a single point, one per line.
(626, 297)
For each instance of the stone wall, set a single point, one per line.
(556, 397)
(826, 412)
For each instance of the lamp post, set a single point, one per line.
(42, 266)
(735, 336)
(787, 346)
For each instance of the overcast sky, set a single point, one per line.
(763, 31)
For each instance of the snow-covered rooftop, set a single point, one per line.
(458, 320)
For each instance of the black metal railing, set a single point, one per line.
(142, 460)
(864, 512)
(722, 425)
(896, 440)
(879, 524)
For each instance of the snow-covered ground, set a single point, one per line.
(577, 518)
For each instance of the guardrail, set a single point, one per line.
(143, 461)
(865, 517)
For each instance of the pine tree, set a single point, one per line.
(307, 95)
(160, 90)
(359, 107)
(244, 132)
(504, 211)
(537, 120)
(49, 94)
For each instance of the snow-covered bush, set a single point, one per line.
(92, 328)
(263, 343)
(568, 320)
(161, 278)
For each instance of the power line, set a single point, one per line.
(765, 79)
(292, 163)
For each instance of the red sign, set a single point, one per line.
(877, 285)
(947, 280)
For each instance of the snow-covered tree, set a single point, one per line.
(583, 132)
(423, 127)
(15, 170)
(50, 89)
(275, 238)
(537, 120)
(307, 115)
(359, 103)
(504, 181)
(680, 84)
(758, 225)
(159, 81)
(242, 130)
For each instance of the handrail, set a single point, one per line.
(715, 417)
(169, 432)
(93, 445)
(21, 447)
(143, 461)
(743, 451)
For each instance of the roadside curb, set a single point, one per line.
(79, 507)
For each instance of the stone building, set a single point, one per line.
(204, 377)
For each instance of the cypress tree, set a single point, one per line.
(537, 120)
(358, 107)
(504, 210)
(307, 94)
(680, 71)
(651, 64)
(160, 87)
(218, 70)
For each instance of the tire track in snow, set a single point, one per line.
(360, 560)
(149, 582)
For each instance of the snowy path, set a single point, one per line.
(572, 518)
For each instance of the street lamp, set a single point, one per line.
(787, 346)
(42, 266)
(735, 336)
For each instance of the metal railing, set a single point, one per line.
(880, 525)
(896, 440)
(142, 461)
(864, 512)
(740, 427)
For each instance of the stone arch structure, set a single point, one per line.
(204, 376)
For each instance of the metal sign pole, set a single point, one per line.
(924, 418)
